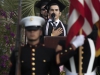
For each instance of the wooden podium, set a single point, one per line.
(52, 41)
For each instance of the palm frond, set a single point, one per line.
(10, 5)
(65, 11)
(28, 7)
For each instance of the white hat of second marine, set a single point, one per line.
(32, 22)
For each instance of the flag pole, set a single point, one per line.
(18, 41)
(80, 57)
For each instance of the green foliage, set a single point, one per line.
(8, 19)
(7, 39)
(64, 16)
(28, 7)
(10, 5)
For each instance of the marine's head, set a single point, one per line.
(33, 27)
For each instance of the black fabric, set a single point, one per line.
(66, 55)
(98, 68)
(41, 68)
(50, 29)
(93, 35)
(41, 3)
(62, 43)
(86, 57)
(13, 61)
(99, 60)
(67, 64)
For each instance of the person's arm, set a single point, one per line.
(54, 68)
(13, 64)
(63, 53)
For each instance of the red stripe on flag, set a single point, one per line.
(74, 29)
(96, 5)
(88, 14)
(78, 6)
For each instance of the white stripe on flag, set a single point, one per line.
(86, 27)
(72, 19)
(95, 16)
(81, 1)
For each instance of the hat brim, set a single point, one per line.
(61, 5)
(34, 28)
(39, 4)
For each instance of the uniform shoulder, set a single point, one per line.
(24, 46)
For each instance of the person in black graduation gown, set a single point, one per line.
(43, 11)
(54, 27)
(35, 58)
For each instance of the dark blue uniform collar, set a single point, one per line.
(34, 46)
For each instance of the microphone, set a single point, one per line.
(53, 17)
(53, 20)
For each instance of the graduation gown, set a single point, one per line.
(47, 29)
(38, 60)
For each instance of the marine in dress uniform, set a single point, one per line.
(70, 57)
(35, 59)
(54, 7)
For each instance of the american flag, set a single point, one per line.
(82, 14)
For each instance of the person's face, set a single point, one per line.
(55, 9)
(44, 11)
(33, 35)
